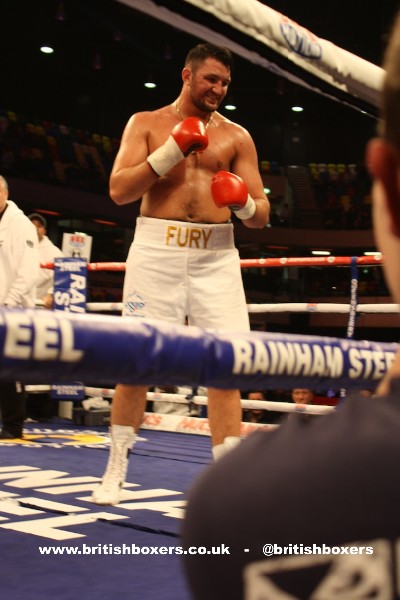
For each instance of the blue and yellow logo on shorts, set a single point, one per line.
(134, 305)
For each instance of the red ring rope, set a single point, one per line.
(308, 261)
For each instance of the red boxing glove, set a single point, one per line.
(186, 137)
(190, 135)
(229, 190)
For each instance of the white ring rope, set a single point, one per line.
(281, 307)
(269, 405)
(328, 307)
(286, 407)
(304, 53)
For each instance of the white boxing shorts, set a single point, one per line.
(176, 270)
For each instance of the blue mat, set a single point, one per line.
(102, 552)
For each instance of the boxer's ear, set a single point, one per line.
(384, 165)
(187, 76)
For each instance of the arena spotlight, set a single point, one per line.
(46, 49)
(230, 104)
(149, 82)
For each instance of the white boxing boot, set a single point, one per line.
(122, 439)
(227, 445)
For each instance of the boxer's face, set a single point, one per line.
(208, 84)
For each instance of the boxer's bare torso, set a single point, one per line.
(183, 193)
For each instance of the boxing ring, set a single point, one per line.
(47, 478)
(101, 350)
(157, 339)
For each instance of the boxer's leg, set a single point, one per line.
(218, 301)
(129, 404)
(149, 269)
(224, 417)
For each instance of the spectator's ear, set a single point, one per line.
(384, 165)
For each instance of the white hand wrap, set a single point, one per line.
(248, 209)
(165, 157)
